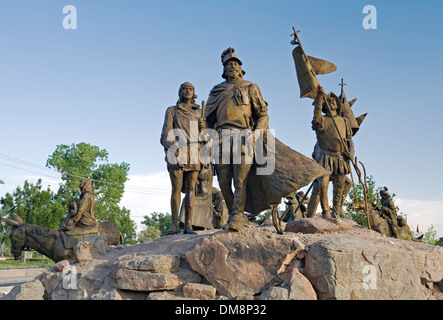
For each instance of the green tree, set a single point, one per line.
(83, 160)
(4, 231)
(355, 200)
(34, 204)
(158, 220)
(430, 236)
(149, 234)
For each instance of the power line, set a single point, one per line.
(128, 188)
(10, 158)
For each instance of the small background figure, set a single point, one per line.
(293, 201)
(389, 212)
(219, 209)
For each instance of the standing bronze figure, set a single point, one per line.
(233, 106)
(184, 171)
(331, 130)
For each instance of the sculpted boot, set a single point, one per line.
(174, 225)
(188, 226)
(326, 214)
(237, 222)
(339, 186)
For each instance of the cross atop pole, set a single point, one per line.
(342, 84)
(295, 41)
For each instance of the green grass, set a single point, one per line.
(35, 262)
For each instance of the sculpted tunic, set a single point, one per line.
(329, 151)
(181, 117)
(236, 105)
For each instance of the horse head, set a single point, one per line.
(17, 235)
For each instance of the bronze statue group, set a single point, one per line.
(236, 106)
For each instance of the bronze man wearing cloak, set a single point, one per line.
(234, 105)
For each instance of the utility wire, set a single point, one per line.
(132, 189)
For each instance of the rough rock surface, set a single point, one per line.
(33, 290)
(316, 224)
(348, 262)
(91, 247)
(243, 263)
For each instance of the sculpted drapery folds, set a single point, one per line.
(233, 106)
(84, 216)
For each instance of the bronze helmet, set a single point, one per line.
(228, 55)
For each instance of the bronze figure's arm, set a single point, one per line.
(259, 108)
(167, 127)
(318, 103)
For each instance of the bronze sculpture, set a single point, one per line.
(183, 169)
(219, 209)
(381, 223)
(80, 223)
(330, 153)
(389, 212)
(55, 244)
(233, 106)
(83, 217)
(334, 150)
(296, 206)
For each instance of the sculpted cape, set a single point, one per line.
(292, 170)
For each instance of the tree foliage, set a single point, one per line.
(34, 204)
(4, 231)
(160, 221)
(430, 236)
(149, 234)
(356, 197)
(83, 160)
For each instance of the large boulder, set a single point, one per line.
(242, 263)
(145, 272)
(255, 263)
(371, 266)
(33, 290)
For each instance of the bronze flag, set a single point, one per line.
(308, 68)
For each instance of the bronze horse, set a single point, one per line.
(49, 242)
(381, 225)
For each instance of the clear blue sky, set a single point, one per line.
(109, 82)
